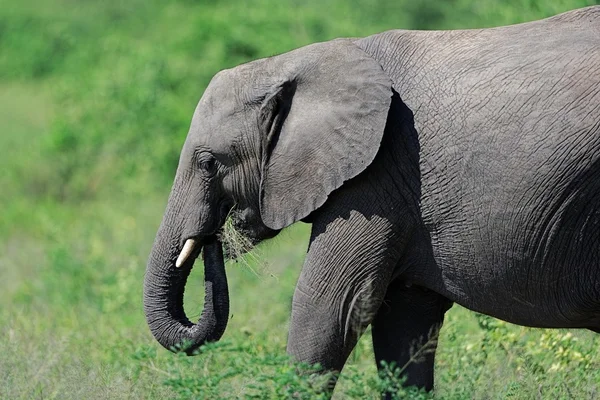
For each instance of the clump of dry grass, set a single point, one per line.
(237, 246)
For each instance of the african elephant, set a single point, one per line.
(434, 166)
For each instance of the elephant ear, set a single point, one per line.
(324, 124)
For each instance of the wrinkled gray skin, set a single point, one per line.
(435, 167)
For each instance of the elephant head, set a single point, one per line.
(268, 142)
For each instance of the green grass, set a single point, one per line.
(95, 101)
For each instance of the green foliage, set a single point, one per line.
(95, 102)
(249, 369)
(517, 362)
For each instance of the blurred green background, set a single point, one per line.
(95, 102)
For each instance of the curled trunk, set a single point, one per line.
(164, 285)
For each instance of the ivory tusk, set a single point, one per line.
(188, 248)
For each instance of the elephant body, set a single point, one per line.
(435, 167)
(508, 121)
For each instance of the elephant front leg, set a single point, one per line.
(405, 331)
(345, 276)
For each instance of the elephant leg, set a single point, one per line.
(345, 276)
(405, 331)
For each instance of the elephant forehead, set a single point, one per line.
(217, 106)
(219, 120)
(218, 101)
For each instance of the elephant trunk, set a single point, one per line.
(164, 284)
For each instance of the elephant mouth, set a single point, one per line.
(241, 233)
(238, 231)
(236, 243)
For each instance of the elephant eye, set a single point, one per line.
(207, 163)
